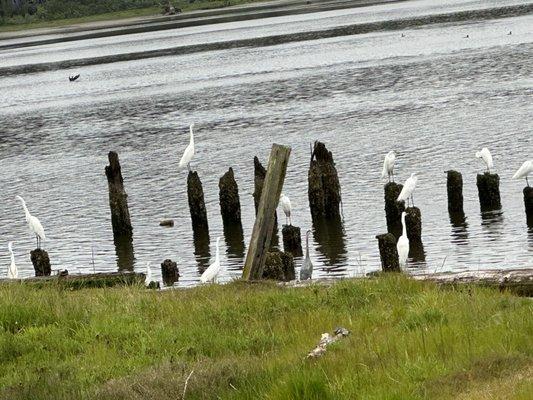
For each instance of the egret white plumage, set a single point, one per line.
(33, 223)
(524, 171)
(211, 273)
(403, 244)
(285, 204)
(388, 166)
(188, 154)
(408, 189)
(485, 155)
(306, 271)
(12, 272)
(148, 277)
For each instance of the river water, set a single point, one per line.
(433, 95)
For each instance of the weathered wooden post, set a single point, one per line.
(230, 206)
(528, 202)
(279, 266)
(393, 208)
(169, 272)
(259, 180)
(292, 240)
(488, 186)
(324, 188)
(454, 186)
(388, 252)
(264, 222)
(195, 194)
(413, 221)
(118, 199)
(124, 251)
(41, 262)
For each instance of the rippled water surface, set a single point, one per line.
(433, 96)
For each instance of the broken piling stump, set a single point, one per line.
(41, 262)
(279, 266)
(388, 252)
(413, 221)
(393, 208)
(169, 272)
(454, 186)
(528, 202)
(292, 240)
(259, 180)
(230, 206)
(488, 186)
(264, 222)
(195, 194)
(124, 252)
(324, 188)
(118, 199)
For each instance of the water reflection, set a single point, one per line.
(459, 232)
(235, 249)
(330, 236)
(492, 224)
(125, 254)
(201, 248)
(417, 253)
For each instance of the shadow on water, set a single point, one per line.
(201, 248)
(492, 223)
(459, 225)
(330, 236)
(125, 253)
(235, 248)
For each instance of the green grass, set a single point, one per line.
(409, 340)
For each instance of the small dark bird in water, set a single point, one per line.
(510, 33)
(73, 78)
(466, 37)
(403, 35)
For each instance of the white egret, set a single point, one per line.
(33, 223)
(408, 189)
(388, 166)
(148, 277)
(307, 267)
(12, 272)
(524, 171)
(211, 273)
(285, 204)
(188, 154)
(403, 244)
(485, 155)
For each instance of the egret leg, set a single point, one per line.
(527, 181)
(412, 200)
(189, 166)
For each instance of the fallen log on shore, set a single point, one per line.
(82, 281)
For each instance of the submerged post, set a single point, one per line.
(41, 262)
(230, 206)
(195, 194)
(388, 252)
(413, 221)
(118, 199)
(324, 188)
(292, 240)
(264, 222)
(454, 186)
(488, 186)
(393, 208)
(528, 202)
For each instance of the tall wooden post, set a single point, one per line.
(454, 186)
(264, 222)
(118, 199)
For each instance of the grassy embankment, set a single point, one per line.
(409, 340)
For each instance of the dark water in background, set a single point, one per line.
(432, 96)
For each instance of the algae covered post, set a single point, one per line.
(118, 199)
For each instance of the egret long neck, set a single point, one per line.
(191, 137)
(404, 228)
(26, 211)
(12, 256)
(307, 245)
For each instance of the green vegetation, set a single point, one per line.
(409, 340)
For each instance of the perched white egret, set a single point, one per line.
(485, 155)
(403, 244)
(388, 166)
(33, 223)
(524, 171)
(285, 204)
(148, 277)
(188, 154)
(307, 267)
(12, 272)
(408, 189)
(211, 273)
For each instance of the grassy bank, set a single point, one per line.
(409, 340)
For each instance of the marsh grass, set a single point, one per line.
(409, 340)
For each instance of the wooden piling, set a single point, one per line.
(324, 188)
(195, 193)
(279, 266)
(454, 186)
(118, 199)
(259, 180)
(413, 221)
(388, 252)
(124, 252)
(169, 272)
(230, 206)
(292, 240)
(41, 262)
(488, 186)
(264, 222)
(393, 208)
(528, 202)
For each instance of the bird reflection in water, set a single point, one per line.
(201, 248)
(124, 251)
(459, 224)
(330, 236)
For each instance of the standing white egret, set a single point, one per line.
(211, 273)
(12, 272)
(485, 155)
(188, 154)
(524, 171)
(285, 204)
(33, 223)
(403, 244)
(388, 165)
(148, 277)
(408, 189)
(307, 267)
